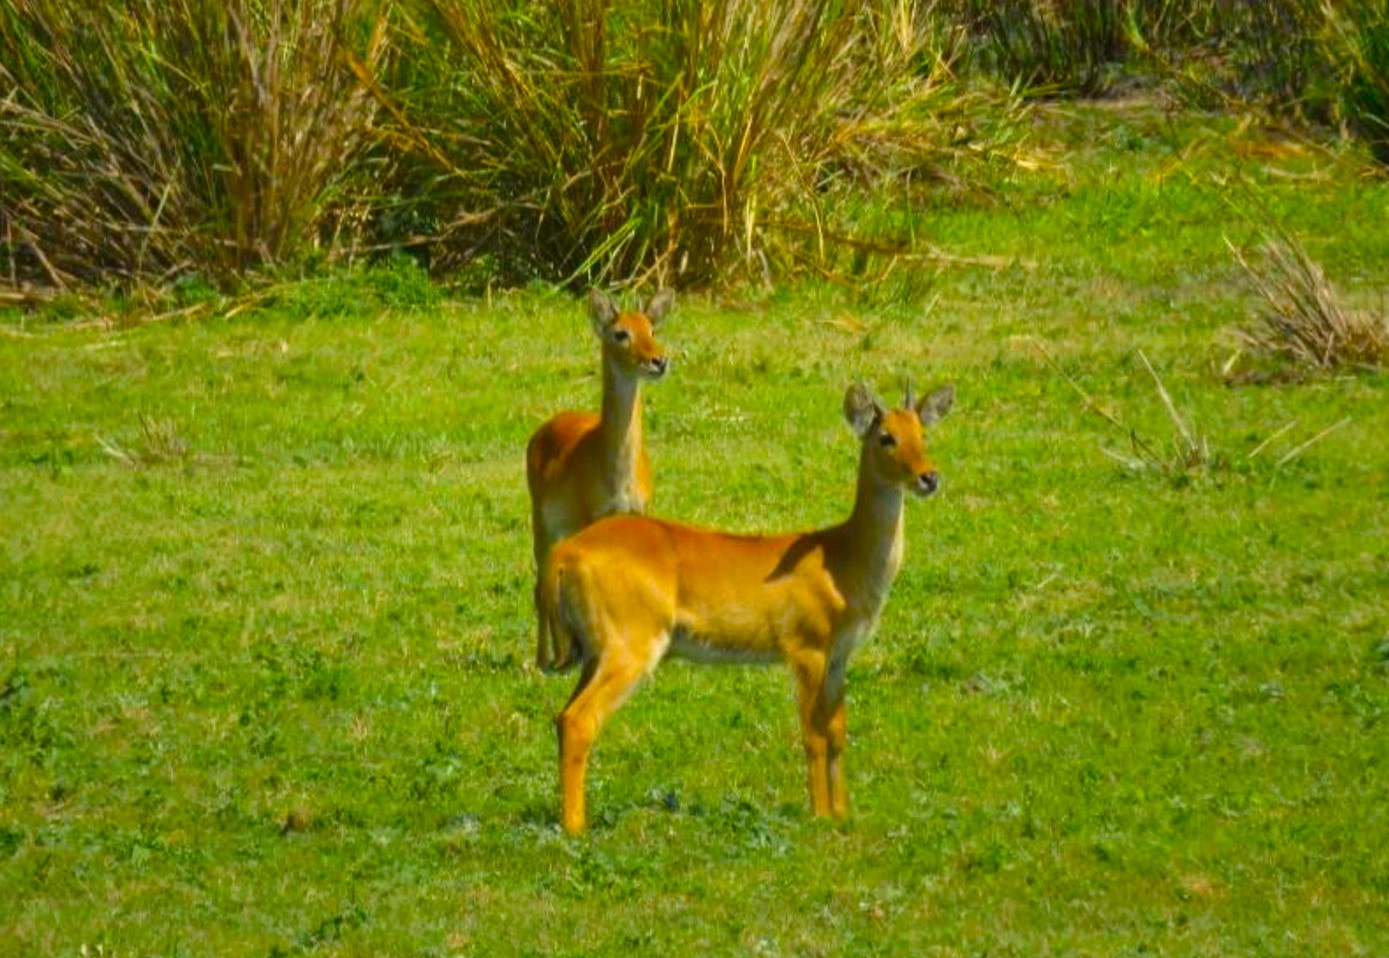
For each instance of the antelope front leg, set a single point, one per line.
(809, 669)
(838, 732)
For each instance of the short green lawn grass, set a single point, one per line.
(265, 624)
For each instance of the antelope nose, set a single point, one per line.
(929, 481)
(659, 364)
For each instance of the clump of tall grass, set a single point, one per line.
(159, 442)
(1303, 58)
(1357, 39)
(1058, 46)
(1275, 54)
(1318, 60)
(143, 139)
(1215, 50)
(649, 139)
(1302, 321)
(1081, 47)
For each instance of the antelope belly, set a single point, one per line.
(716, 650)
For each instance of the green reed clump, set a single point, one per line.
(1060, 46)
(636, 139)
(1325, 61)
(144, 139)
(1215, 49)
(1357, 41)
(1273, 53)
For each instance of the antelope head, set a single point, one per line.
(894, 440)
(629, 339)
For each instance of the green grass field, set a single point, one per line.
(265, 625)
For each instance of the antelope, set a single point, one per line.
(628, 590)
(580, 466)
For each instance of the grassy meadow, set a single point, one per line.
(265, 624)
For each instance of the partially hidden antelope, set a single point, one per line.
(626, 591)
(580, 466)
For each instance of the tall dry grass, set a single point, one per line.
(579, 140)
(144, 139)
(654, 139)
(1302, 320)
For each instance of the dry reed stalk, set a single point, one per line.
(1302, 320)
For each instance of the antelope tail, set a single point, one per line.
(556, 643)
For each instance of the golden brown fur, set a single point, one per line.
(628, 590)
(581, 466)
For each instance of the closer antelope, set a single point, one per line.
(581, 467)
(628, 590)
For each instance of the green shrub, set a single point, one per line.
(643, 138)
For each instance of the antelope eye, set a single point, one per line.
(886, 439)
(621, 336)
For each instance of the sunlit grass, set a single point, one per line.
(271, 695)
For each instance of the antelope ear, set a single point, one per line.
(601, 310)
(934, 407)
(861, 409)
(657, 306)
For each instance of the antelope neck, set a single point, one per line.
(621, 419)
(874, 528)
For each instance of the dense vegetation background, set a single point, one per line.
(285, 285)
(499, 142)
